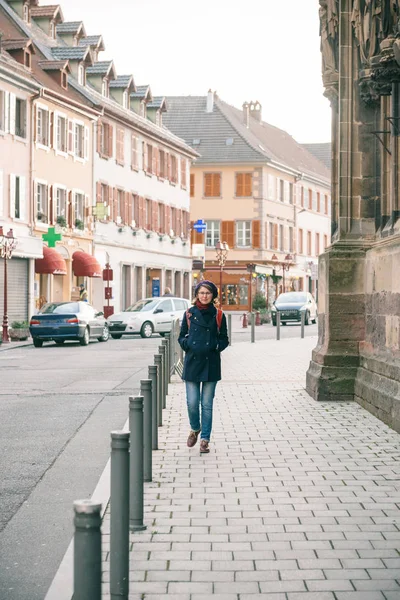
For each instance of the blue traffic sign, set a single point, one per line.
(200, 225)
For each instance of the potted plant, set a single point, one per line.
(79, 224)
(61, 221)
(19, 331)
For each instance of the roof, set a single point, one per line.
(158, 102)
(141, 91)
(69, 53)
(96, 41)
(100, 68)
(321, 151)
(224, 138)
(49, 11)
(122, 81)
(69, 27)
(19, 44)
(54, 65)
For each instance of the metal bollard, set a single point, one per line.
(136, 464)
(253, 332)
(87, 550)
(162, 351)
(230, 328)
(158, 363)
(119, 519)
(303, 321)
(165, 343)
(170, 340)
(146, 392)
(278, 325)
(154, 425)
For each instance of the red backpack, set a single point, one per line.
(218, 316)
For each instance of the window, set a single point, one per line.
(42, 127)
(2, 111)
(317, 244)
(104, 88)
(326, 203)
(300, 242)
(149, 210)
(26, 13)
(161, 214)
(174, 219)
(243, 234)
(125, 99)
(281, 238)
(212, 185)
(149, 165)
(52, 30)
(20, 118)
(134, 152)
(183, 173)
(64, 80)
(309, 249)
(213, 234)
(61, 203)
(61, 134)
(142, 109)
(281, 190)
(192, 185)
(41, 202)
(244, 185)
(106, 140)
(291, 239)
(290, 193)
(27, 59)
(318, 202)
(17, 197)
(271, 236)
(310, 199)
(81, 74)
(104, 193)
(120, 146)
(325, 241)
(79, 140)
(165, 306)
(120, 205)
(162, 160)
(174, 169)
(79, 208)
(180, 304)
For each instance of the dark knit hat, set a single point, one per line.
(209, 285)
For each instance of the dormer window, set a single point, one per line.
(104, 88)
(143, 109)
(27, 59)
(52, 30)
(64, 80)
(158, 118)
(26, 13)
(125, 99)
(81, 74)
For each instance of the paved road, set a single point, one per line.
(268, 332)
(57, 408)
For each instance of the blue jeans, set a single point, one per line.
(204, 398)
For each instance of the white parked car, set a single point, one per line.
(148, 316)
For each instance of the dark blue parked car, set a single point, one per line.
(62, 321)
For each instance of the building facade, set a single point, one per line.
(258, 191)
(357, 356)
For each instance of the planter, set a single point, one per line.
(19, 335)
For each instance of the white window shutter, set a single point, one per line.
(1, 195)
(55, 130)
(12, 114)
(22, 198)
(6, 112)
(71, 141)
(86, 153)
(12, 196)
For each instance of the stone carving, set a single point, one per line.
(329, 27)
(389, 17)
(366, 20)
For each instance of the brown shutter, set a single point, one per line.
(228, 233)
(217, 185)
(239, 184)
(110, 141)
(192, 183)
(192, 232)
(129, 214)
(141, 223)
(154, 160)
(276, 239)
(154, 206)
(169, 175)
(199, 238)
(168, 226)
(52, 142)
(178, 222)
(98, 192)
(248, 184)
(136, 210)
(99, 137)
(256, 234)
(208, 184)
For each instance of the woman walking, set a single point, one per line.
(203, 337)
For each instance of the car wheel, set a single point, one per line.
(59, 342)
(116, 336)
(307, 319)
(84, 341)
(284, 323)
(106, 334)
(315, 320)
(37, 343)
(146, 330)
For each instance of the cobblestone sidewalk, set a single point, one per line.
(297, 500)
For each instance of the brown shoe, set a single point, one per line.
(192, 439)
(204, 447)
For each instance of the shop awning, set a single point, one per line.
(52, 263)
(85, 265)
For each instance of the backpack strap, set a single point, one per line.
(188, 317)
(219, 318)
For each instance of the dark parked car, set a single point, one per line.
(63, 321)
(290, 306)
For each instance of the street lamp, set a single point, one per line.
(285, 265)
(222, 250)
(8, 243)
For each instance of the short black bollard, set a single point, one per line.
(146, 392)
(119, 520)
(87, 550)
(158, 363)
(278, 325)
(169, 338)
(162, 351)
(230, 328)
(154, 424)
(303, 321)
(165, 343)
(136, 464)
(253, 330)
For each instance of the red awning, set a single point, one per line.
(85, 265)
(52, 263)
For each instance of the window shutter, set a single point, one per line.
(88, 208)
(6, 112)
(71, 144)
(115, 205)
(110, 201)
(141, 214)
(239, 184)
(192, 185)
(50, 127)
(256, 238)
(12, 196)
(55, 130)
(154, 168)
(70, 210)
(86, 154)
(178, 231)
(51, 204)
(22, 198)
(168, 224)
(228, 233)
(169, 175)
(217, 185)
(12, 113)
(248, 184)
(208, 184)
(155, 215)
(99, 130)
(129, 208)
(110, 140)
(192, 233)
(276, 236)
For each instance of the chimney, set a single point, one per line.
(246, 114)
(255, 110)
(210, 101)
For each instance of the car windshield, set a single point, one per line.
(59, 309)
(294, 297)
(143, 305)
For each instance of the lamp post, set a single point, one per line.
(7, 246)
(222, 250)
(285, 265)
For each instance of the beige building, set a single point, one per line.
(258, 191)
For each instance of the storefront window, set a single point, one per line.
(234, 295)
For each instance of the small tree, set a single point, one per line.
(259, 302)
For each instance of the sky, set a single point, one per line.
(245, 50)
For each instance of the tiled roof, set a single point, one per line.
(122, 81)
(91, 40)
(69, 27)
(224, 138)
(321, 151)
(49, 11)
(69, 53)
(158, 102)
(17, 44)
(100, 68)
(141, 91)
(54, 65)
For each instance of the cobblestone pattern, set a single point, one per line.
(297, 500)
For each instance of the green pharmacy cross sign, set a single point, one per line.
(51, 237)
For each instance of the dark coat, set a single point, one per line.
(203, 345)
